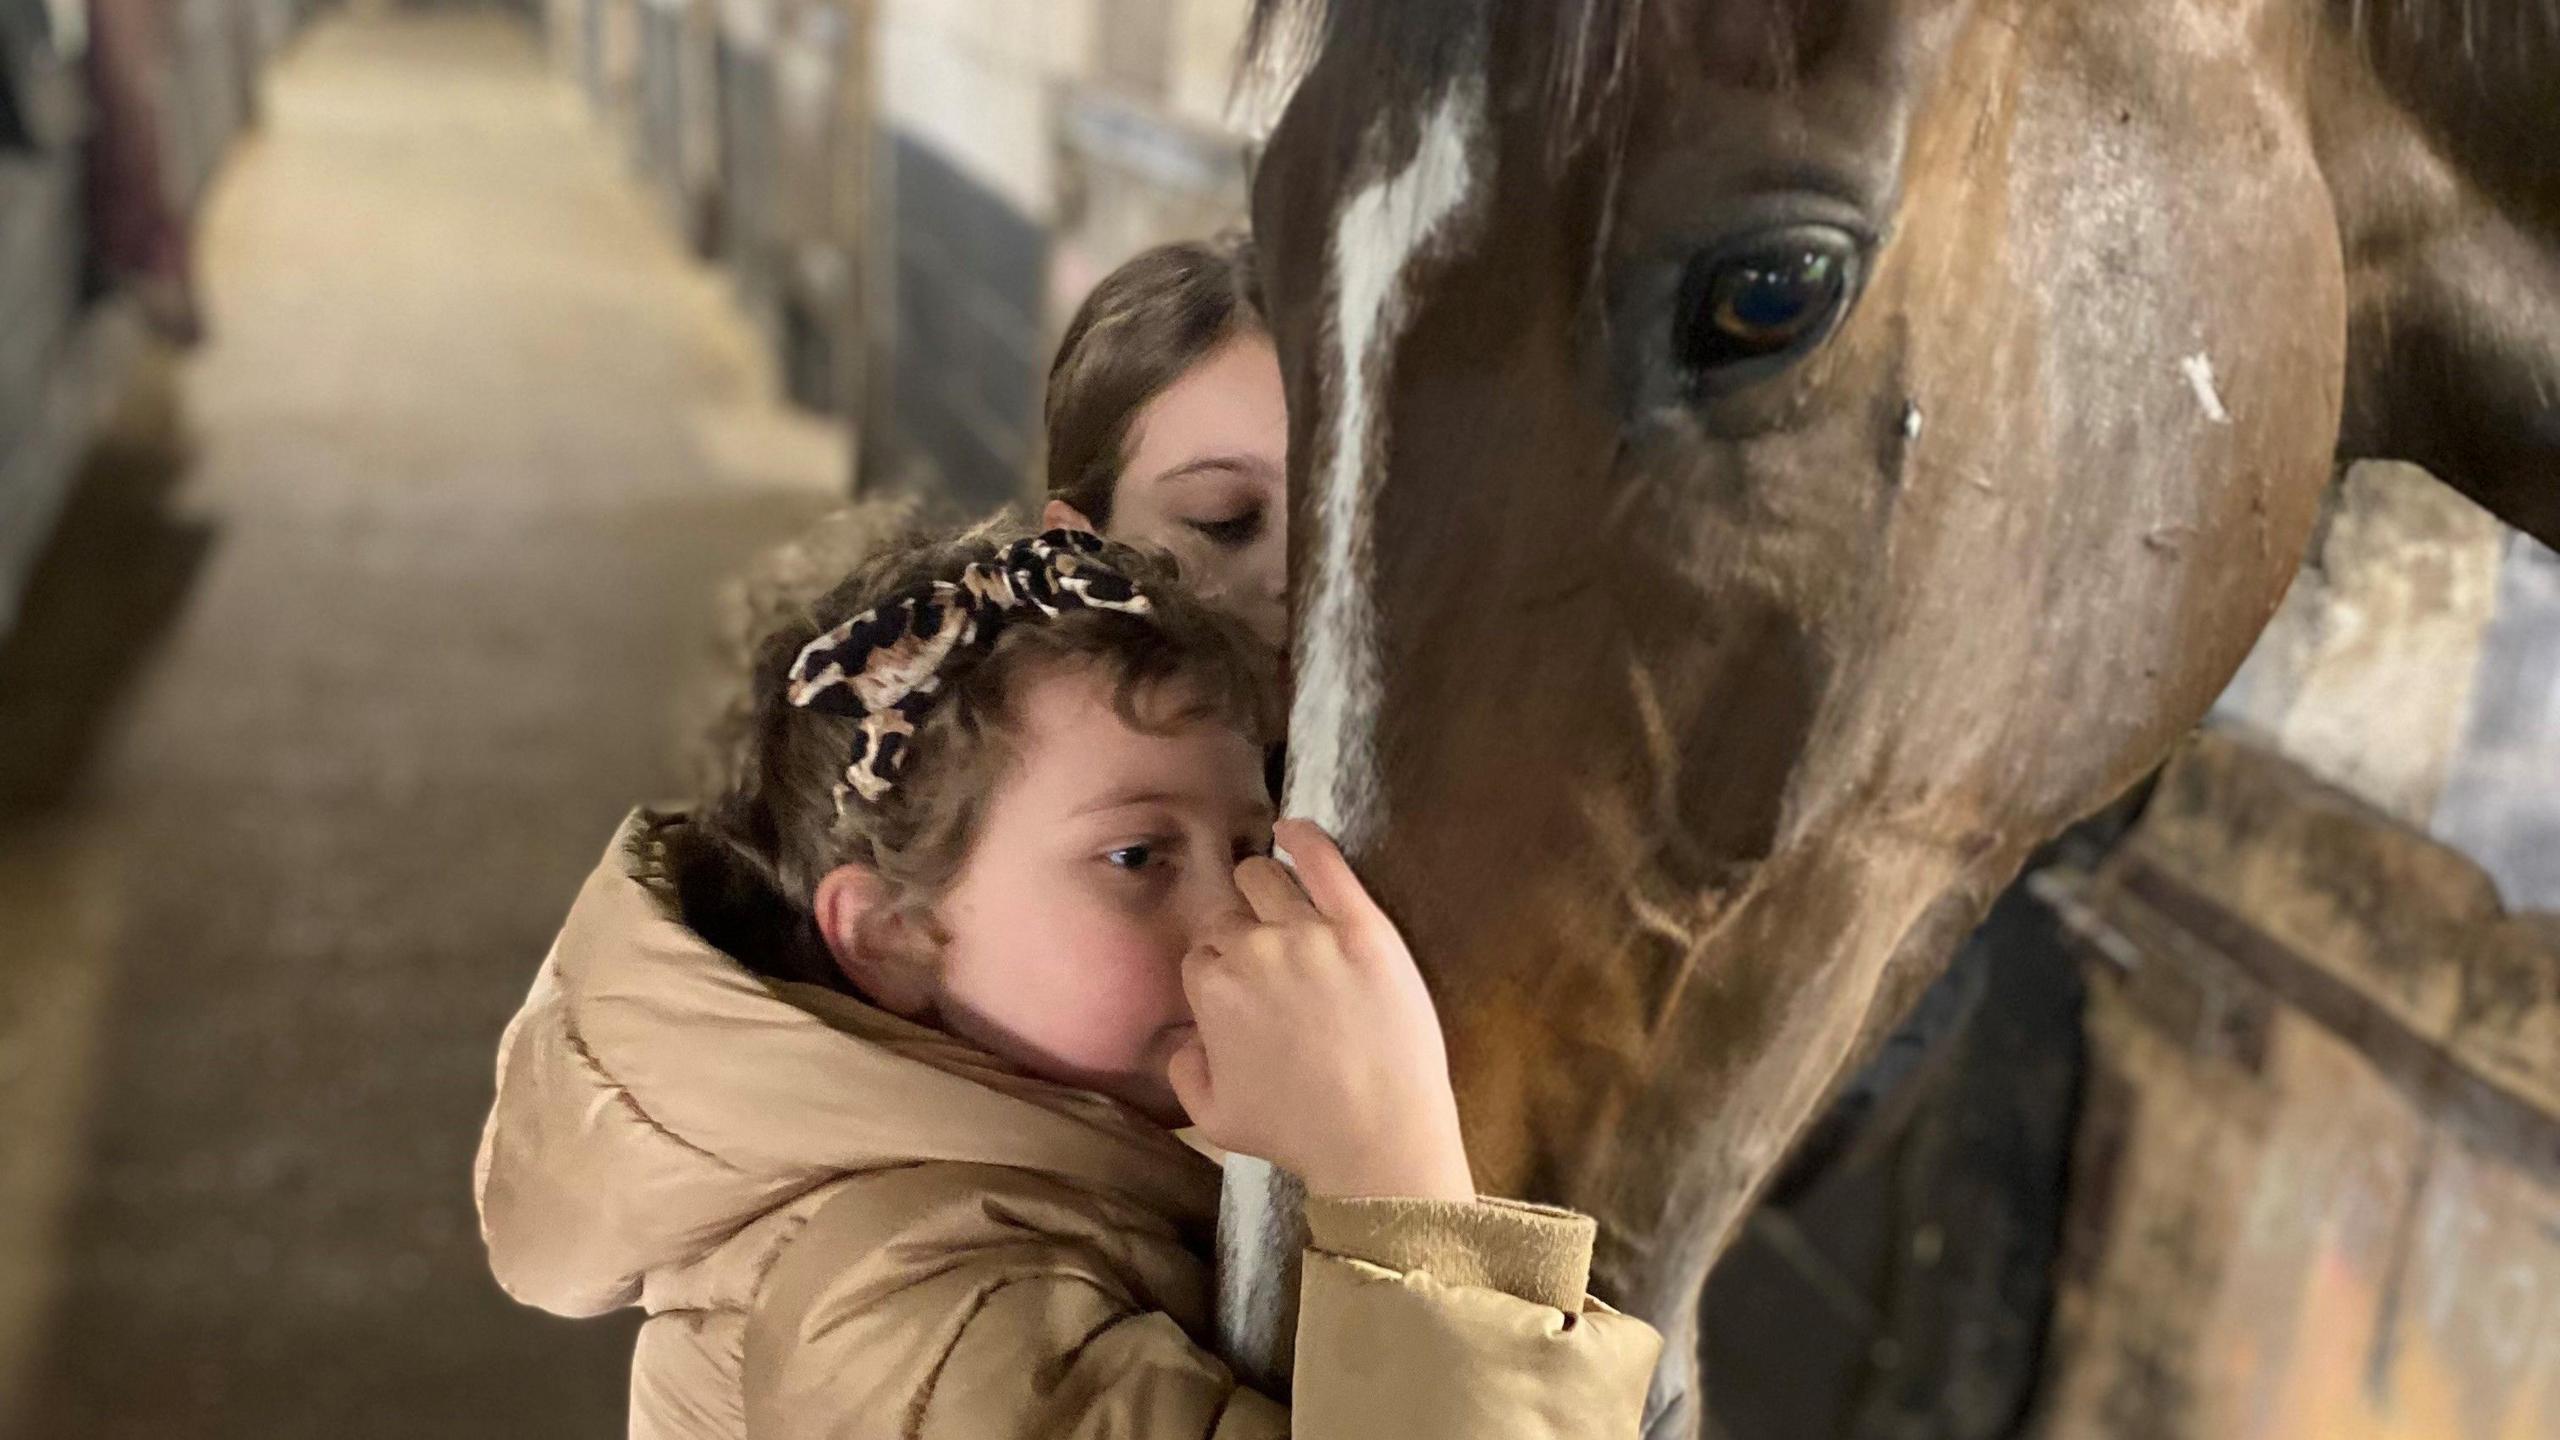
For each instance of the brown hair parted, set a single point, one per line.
(1141, 328)
(773, 824)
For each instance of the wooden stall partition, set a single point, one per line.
(274, 23)
(564, 34)
(608, 63)
(823, 174)
(2316, 1194)
(66, 342)
(209, 92)
(749, 161)
(677, 105)
(42, 419)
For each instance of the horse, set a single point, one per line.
(1759, 467)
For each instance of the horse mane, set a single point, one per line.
(1418, 47)
(2482, 77)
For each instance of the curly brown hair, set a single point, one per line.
(771, 828)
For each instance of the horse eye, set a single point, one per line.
(1749, 310)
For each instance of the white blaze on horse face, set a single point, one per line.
(1260, 1227)
(1377, 236)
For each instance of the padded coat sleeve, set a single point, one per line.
(956, 1329)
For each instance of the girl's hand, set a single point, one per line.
(1318, 1047)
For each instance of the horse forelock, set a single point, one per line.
(1580, 49)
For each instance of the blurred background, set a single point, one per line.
(385, 391)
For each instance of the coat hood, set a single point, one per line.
(654, 1097)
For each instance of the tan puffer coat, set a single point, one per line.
(846, 1225)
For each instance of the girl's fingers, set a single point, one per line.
(1336, 893)
(1196, 968)
(1273, 892)
(1188, 1072)
(1222, 936)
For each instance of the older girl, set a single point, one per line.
(1166, 425)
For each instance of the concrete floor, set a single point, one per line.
(359, 637)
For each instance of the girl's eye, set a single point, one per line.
(1130, 857)
(1233, 533)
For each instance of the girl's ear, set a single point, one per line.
(875, 943)
(1059, 515)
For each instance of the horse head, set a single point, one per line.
(1761, 466)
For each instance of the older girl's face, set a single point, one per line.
(1207, 480)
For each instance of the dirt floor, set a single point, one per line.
(368, 624)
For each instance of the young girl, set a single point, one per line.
(861, 1080)
(1167, 426)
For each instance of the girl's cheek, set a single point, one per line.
(1106, 1022)
(1141, 973)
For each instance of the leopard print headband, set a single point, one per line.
(883, 667)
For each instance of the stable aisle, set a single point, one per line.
(332, 689)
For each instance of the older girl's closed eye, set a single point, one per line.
(1167, 425)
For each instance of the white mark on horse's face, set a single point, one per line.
(1261, 1229)
(2198, 368)
(1379, 233)
(1377, 236)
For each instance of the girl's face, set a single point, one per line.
(1103, 856)
(1207, 480)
